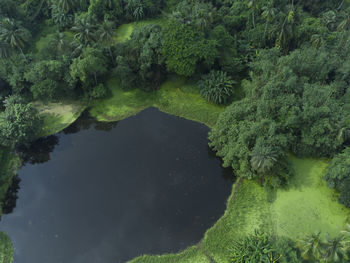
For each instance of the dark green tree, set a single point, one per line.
(20, 123)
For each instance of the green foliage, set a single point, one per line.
(20, 123)
(85, 30)
(98, 92)
(293, 103)
(197, 14)
(261, 247)
(184, 47)
(216, 87)
(89, 66)
(13, 34)
(316, 249)
(141, 64)
(50, 80)
(338, 175)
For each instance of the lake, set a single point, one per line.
(109, 192)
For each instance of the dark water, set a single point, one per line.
(109, 193)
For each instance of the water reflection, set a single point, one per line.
(227, 172)
(39, 150)
(11, 196)
(85, 122)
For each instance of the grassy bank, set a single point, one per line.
(307, 206)
(176, 96)
(57, 116)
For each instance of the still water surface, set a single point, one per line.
(108, 193)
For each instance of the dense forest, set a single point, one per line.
(289, 58)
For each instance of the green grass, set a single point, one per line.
(176, 96)
(57, 116)
(307, 206)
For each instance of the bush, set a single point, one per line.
(263, 248)
(338, 176)
(216, 87)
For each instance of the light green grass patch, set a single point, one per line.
(124, 31)
(58, 116)
(309, 205)
(176, 96)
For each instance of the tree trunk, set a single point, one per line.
(25, 58)
(265, 30)
(253, 17)
(111, 55)
(95, 76)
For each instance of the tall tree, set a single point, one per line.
(13, 34)
(336, 249)
(105, 34)
(20, 123)
(312, 246)
(85, 30)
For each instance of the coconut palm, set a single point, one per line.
(85, 31)
(336, 249)
(105, 35)
(58, 40)
(312, 246)
(345, 23)
(13, 34)
(346, 231)
(253, 6)
(263, 158)
(60, 17)
(287, 28)
(66, 5)
(136, 8)
(269, 13)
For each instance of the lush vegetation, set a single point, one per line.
(280, 67)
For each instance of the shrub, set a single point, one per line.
(216, 87)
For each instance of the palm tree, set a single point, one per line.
(345, 23)
(336, 249)
(105, 35)
(287, 28)
(269, 13)
(66, 5)
(58, 40)
(253, 5)
(14, 34)
(136, 8)
(317, 40)
(85, 31)
(60, 17)
(346, 231)
(312, 246)
(263, 158)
